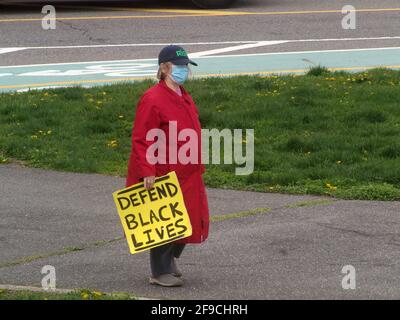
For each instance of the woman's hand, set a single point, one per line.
(149, 182)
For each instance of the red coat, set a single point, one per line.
(159, 105)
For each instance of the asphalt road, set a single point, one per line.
(149, 25)
(294, 251)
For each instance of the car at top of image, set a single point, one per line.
(205, 4)
(213, 3)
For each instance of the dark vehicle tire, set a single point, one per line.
(213, 4)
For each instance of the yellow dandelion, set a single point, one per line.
(97, 293)
(112, 144)
(331, 187)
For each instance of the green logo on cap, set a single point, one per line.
(181, 53)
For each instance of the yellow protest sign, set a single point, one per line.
(153, 217)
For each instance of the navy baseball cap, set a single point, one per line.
(175, 54)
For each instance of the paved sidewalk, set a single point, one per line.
(295, 250)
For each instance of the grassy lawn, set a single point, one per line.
(76, 295)
(321, 133)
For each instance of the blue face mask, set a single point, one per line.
(179, 73)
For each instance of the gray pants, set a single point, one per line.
(161, 258)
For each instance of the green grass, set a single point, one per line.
(322, 133)
(309, 203)
(241, 214)
(82, 294)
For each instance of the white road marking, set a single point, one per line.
(235, 48)
(8, 50)
(204, 57)
(138, 45)
(345, 39)
(242, 45)
(127, 69)
(72, 63)
(297, 52)
(195, 43)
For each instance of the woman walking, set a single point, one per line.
(167, 106)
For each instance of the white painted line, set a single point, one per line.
(205, 57)
(139, 45)
(297, 52)
(235, 48)
(245, 45)
(201, 43)
(345, 39)
(8, 50)
(72, 63)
